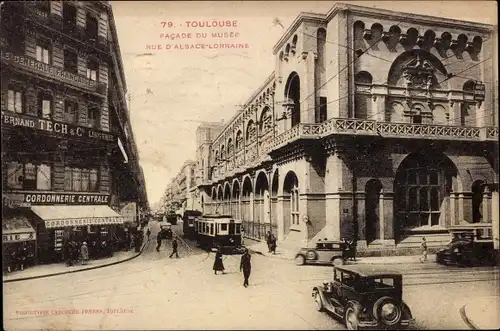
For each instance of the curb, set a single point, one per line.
(467, 320)
(81, 270)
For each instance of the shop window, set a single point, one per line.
(45, 104)
(43, 52)
(223, 227)
(92, 69)
(15, 99)
(71, 61)
(28, 176)
(70, 111)
(92, 27)
(93, 115)
(80, 179)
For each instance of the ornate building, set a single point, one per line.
(70, 164)
(375, 125)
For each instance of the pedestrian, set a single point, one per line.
(13, 261)
(352, 249)
(423, 246)
(246, 266)
(268, 241)
(84, 250)
(218, 265)
(158, 241)
(23, 254)
(273, 243)
(174, 249)
(148, 233)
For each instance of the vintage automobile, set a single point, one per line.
(364, 296)
(468, 247)
(325, 252)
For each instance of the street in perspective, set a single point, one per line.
(234, 165)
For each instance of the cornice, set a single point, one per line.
(410, 18)
(301, 18)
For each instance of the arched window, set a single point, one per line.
(251, 132)
(477, 200)
(239, 140)
(469, 86)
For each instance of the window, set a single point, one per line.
(70, 111)
(28, 176)
(323, 108)
(223, 227)
(69, 17)
(93, 115)
(295, 207)
(238, 229)
(70, 61)
(43, 52)
(15, 44)
(15, 99)
(211, 229)
(92, 27)
(80, 179)
(44, 104)
(416, 119)
(92, 69)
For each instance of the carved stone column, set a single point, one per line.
(288, 108)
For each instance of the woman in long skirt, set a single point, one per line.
(218, 265)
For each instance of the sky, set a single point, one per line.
(172, 90)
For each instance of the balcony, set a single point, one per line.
(298, 132)
(25, 63)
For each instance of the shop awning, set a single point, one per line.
(62, 216)
(17, 228)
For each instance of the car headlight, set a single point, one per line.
(390, 313)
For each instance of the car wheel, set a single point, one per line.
(387, 311)
(338, 261)
(300, 260)
(318, 301)
(351, 318)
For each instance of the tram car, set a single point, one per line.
(213, 231)
(188, 220)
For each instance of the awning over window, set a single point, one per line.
(62, 216)
(17, 228)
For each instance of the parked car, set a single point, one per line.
(466, 249)
(364, 296)
(325, 252)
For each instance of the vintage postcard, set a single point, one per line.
(250, 165)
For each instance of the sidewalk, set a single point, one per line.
(482, 313)
(47, 270)
(282, 253)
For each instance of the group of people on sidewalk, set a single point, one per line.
(271, 242)
(245, 264)
(16, 259)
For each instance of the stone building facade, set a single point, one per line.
(375, 125)
(69, 161)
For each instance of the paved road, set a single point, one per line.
(155, 292)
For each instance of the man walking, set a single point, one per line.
(174, 249)
(246, 266)
(158, 241)
(423, 245)
(148, 233)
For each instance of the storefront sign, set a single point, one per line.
(54, 127)
(16, 237)
(44, 69)
(479, 91)
(31, 199)
(83, 222)
(129, 212)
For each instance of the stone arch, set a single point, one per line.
(287, 50)
(262, 198)
(292, 95)
(227, 199)
(250, 131)
(291, 203)
(235, 197)
(294, 44)
(416, 60)
(222, 153)
(469, 86)
(428, 41)
(230, 147)
(363, 77)
(422, 186)
(214, 194)
(239, 140)
(220, 193)
(265, 120)
(362, 97)
(246, 196)
(373, 189)
(478, 190)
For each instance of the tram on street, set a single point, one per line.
(213, 231)
(188, 220)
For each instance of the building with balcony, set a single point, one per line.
(375, 125)
(70, 162)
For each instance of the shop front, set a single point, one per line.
(18, 240)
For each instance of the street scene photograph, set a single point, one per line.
(250, 165)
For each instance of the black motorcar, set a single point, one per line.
(364, 296)
(466, 250)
